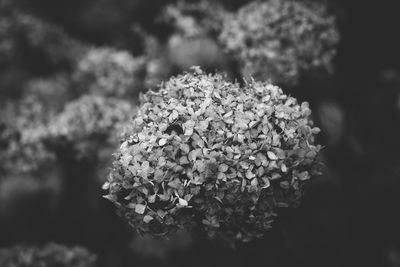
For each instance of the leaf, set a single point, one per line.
(162, 161)
(161, 213)
(125, 160)
(275, 140)
(217, 95)
(260, 171)
(280, 153)
(162, 141)
(271, 155)
(162, 127)
(176, 184)
(223, 167)
(194, 154)
(145, 166)
(185, 148)
(203, 125)
(206, 103)
(275, 176)
(240, 138)
(183, 202)
(283, 168)
(147, 218)
(139, 121)
(201, 167)
(315, 130)
(221, 176)
(183, 160)
(228, 114)
(105, 186)
(140, 208)
(250, 174)
(244, 165)
(253, 133)
(188, 127)
(218, 199)
(304, 176)
(112, 198)
(266, 182)
(174, 115)
(152, 198)
(141, 136)
(158, 175)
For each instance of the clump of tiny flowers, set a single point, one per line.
(212, 156)
(281, 39)
(110, 72)
(46, 256)
(22, 123)
(89, 123)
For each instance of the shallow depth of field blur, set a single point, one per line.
(71, 73)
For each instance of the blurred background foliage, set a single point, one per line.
(70, 75)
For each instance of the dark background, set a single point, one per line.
(349, 216)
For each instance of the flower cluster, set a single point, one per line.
(109, 72)
(89, 123)
(280, 39)
(52, 93)
(22, 124)
(207, 154)
(47, 256)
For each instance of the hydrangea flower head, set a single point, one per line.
(280, 39)
(110, 72)
(207, 154)
(49, 255)
(89, 123)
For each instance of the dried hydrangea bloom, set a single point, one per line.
(89, 124)
(19, 156)
(280, 39)
(207, 154)
(52, 92)
(47, 256)
(109, 72)
(22, 125)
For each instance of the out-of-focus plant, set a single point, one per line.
(281, 40)
(50, 255)
(22, 123)
(207, 154)
(52, 92)
(110, 72)
(89, 124)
